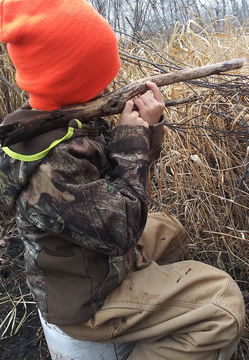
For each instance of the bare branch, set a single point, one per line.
(111, 104)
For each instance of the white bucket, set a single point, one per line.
(63, 347)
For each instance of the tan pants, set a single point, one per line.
(181, 310)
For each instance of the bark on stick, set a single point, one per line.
(110, 104)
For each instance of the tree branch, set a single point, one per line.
(110, 104)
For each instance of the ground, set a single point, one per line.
(27, 344)
(17, 308)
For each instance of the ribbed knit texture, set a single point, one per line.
(64, 51)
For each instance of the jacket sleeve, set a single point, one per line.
(72, 193)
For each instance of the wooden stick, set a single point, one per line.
(110, 104)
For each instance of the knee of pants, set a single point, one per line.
(224, 293)
(232, 301)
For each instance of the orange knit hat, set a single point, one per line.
(64, 51)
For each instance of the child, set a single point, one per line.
(96, 266)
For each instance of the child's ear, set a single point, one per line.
(102, 93)
(107, 90)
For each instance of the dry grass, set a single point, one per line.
(202, 174)
(10, 98)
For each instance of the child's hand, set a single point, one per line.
(150, 108)
(130, 116)
(149, 111)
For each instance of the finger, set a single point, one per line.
(147, 99)
(156, 91)
(128, 107)
(140, 103)
(145, 103)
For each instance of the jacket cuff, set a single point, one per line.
(157, 134)
(129, 140)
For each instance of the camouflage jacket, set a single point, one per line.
(80, 195)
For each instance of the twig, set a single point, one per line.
(244, 175)
(13, 88)
(177, 102)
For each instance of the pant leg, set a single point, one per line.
(164, 239)
(202, 320)
(185, 310)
